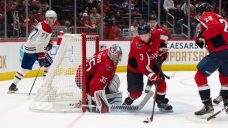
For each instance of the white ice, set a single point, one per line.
(181, 90)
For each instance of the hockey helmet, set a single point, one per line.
(203, 7)
(152, 21)
(51, 16)
(143, 28)
(115, 53)
(152, 17)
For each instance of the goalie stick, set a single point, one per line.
(132, 107)
(129, 107)
(215, 114)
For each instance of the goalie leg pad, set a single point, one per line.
(115, 98)
(90, 104)
(114, 85)
(101, 101)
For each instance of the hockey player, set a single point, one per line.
(145, 51)
(35, 48)
(101, 78)
(157, 31)
(214, 36)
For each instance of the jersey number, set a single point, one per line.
(226, 26)
(208, 18)
(91, 63)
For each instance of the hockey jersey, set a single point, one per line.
(214, 29)
(100, 70)
(143, 56)
(39, 38)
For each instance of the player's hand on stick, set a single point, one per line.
(49, 47)
(154, 78)
(41, 58)
(200, 42)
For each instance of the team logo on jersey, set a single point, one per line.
(139, 45)
(108, 67)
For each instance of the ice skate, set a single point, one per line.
(225, 101)
(128, 101)
(163, 105)
(217, 100)
(206, 111)
(13, 88)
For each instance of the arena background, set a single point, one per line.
(115, 21)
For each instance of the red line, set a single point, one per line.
(71, 124)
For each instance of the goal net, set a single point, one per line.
(59, 92)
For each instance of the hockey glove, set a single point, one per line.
(154, 78)
(49, 47)
(200, 42)
(162, 54)
(41, 58)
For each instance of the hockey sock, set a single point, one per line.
(204, 92)
(19, 75)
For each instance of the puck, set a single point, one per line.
(145, 121)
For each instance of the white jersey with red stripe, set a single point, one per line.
(38, 38)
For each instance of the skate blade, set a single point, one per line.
(11, 92)
(205, 116)
(165, 111)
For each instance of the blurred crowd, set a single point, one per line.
(116, 15)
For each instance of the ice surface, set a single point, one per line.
(181, 90)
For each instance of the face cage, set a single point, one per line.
(116, 58)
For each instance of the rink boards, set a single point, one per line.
(183, 56)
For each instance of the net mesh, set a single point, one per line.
(59, 92)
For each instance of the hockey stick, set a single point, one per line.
(34, 81)
(36, 75)
(152, 114)
(169, 77)
(129, 107)
(215, 114)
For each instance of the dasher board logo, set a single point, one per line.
(2, 62)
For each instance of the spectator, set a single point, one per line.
(111, 30)
(178, 17)
(85, 20)
(12, 20)
(43, 4)
(168, 4)
(94, 17)
(184, 7)
(119, 19)
(68, 26)
(134, 27)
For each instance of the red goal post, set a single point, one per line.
(59, 92)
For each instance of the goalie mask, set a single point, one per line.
(115, 54)
(51, 17)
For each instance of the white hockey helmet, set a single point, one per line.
(115, 53)
(50, 16)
